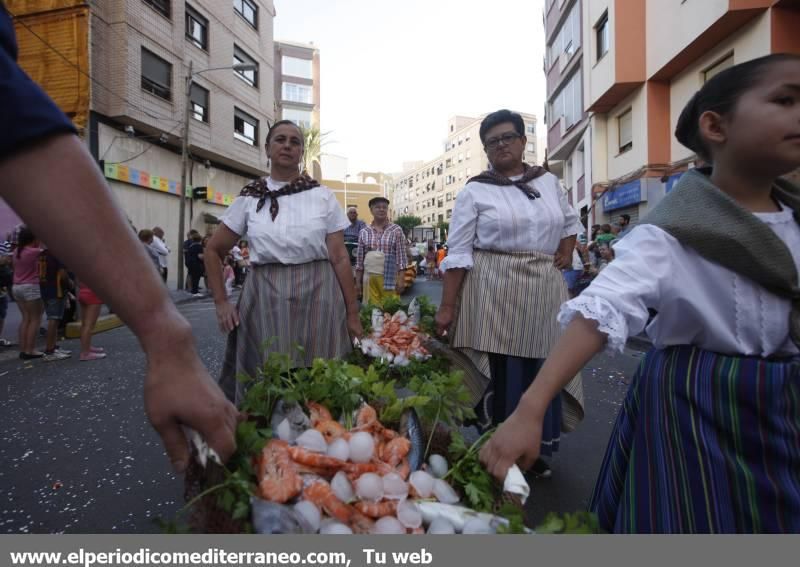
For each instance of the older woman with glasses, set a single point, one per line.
(300, 287)
(511, 232)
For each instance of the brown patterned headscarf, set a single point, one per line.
(259, 189)
(492, 177)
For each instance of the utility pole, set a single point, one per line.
(184, 167)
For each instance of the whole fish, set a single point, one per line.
(457, 515)
(273, 518)
(411, 427)
(293, 413)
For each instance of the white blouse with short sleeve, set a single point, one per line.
(699, 302)
(503, 218)
(298, 233)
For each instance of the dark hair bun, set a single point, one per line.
(687, 128)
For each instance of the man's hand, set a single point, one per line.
(179, 391)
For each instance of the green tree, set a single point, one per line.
(313, 140)
(408, 222)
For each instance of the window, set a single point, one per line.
(530, 128)
(449, 213)
(568, 39)
(199, 99)
(239, 58)
(160, 6)
(297, 93)
(156, 75)
(568, 103)
(718, 67)
(531, 148)
(248, 10)
(196, 28)
(299, 116)
(245, 127)
(296, 67)
(625, 123)
(603, 36)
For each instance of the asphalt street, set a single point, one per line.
(79, 456)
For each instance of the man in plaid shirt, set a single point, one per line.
(381, 255)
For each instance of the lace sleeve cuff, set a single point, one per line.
(610, 321)
(452, 261)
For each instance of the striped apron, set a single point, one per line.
(508, 305)
(704, 443)
(282, 306)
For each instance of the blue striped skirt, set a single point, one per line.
(704, 443)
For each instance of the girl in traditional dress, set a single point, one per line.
(708, 439)
(300, 288)
(512, 231)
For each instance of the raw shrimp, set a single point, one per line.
(377, 509)
(395, 451)
(321, 494)
(367, 419)
(318, 413)
(278, 478)
(331, 430)
(318, 460)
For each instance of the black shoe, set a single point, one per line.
(541, 469)
(27, 356)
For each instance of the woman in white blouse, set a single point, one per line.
(300, 289)
(512, 231)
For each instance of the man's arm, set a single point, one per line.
(93, 238)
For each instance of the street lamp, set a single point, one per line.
(347, 175)
(185, 150)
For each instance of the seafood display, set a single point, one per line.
(397, 338)
(365, 480)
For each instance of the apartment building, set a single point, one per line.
(644, 59)
(131, 112)
(428, 189)
(297, 89)
(568, 140)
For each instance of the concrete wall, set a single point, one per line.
(673, 24)
(620, 164)
(147, 208)
(599, 76)
(750, 42)
(121, 29)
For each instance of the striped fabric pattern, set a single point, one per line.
(282, 306)
(508, 305)
(704, 443)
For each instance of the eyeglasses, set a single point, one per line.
(492, 143)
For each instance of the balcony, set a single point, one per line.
(561, 141)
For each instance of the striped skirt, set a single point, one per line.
(281, 307)
(704, 443)
(508, 307)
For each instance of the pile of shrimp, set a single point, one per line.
(395, 339)
(362, 493)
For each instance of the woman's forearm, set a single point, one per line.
(453, 279)
(576, 347)
(344, 273)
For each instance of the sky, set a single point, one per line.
(393, 72)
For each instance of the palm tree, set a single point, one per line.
(314, 139)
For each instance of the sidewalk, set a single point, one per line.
(14, 317)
